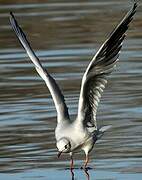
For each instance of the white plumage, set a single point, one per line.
(82, 133)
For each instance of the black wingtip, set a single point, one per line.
(135, 2)
(134, 9)
(135, 5)
(12, 17)
(11, 14)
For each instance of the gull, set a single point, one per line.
(81, 133)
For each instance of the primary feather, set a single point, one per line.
(95, 76)
(58, 98)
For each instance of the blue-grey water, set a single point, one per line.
(65, 35)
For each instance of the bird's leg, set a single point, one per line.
(71, 163)
(71, 166)
(86, 161)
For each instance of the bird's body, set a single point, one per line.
(73, 131)
(82, 133)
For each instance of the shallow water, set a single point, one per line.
(66, 35)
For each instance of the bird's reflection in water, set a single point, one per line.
(86, 172)
(72, 174)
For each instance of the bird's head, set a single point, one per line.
(64, 146)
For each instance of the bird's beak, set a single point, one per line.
(59, 153)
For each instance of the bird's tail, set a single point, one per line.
(102, 130)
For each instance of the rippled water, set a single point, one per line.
(66, 35)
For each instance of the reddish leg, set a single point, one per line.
(86, 161)
(71, 164)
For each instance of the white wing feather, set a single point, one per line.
(95, 76)
(58, 98)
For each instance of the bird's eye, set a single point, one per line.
(66, 146)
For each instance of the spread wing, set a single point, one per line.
(95, 76)
(62, 110)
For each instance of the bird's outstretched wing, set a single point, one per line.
(94, 78)
(62, 110)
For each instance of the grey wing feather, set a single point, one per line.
(95, 76)
(58, 98)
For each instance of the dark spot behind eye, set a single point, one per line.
(66, 146)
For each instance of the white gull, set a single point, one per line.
(82, 133)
